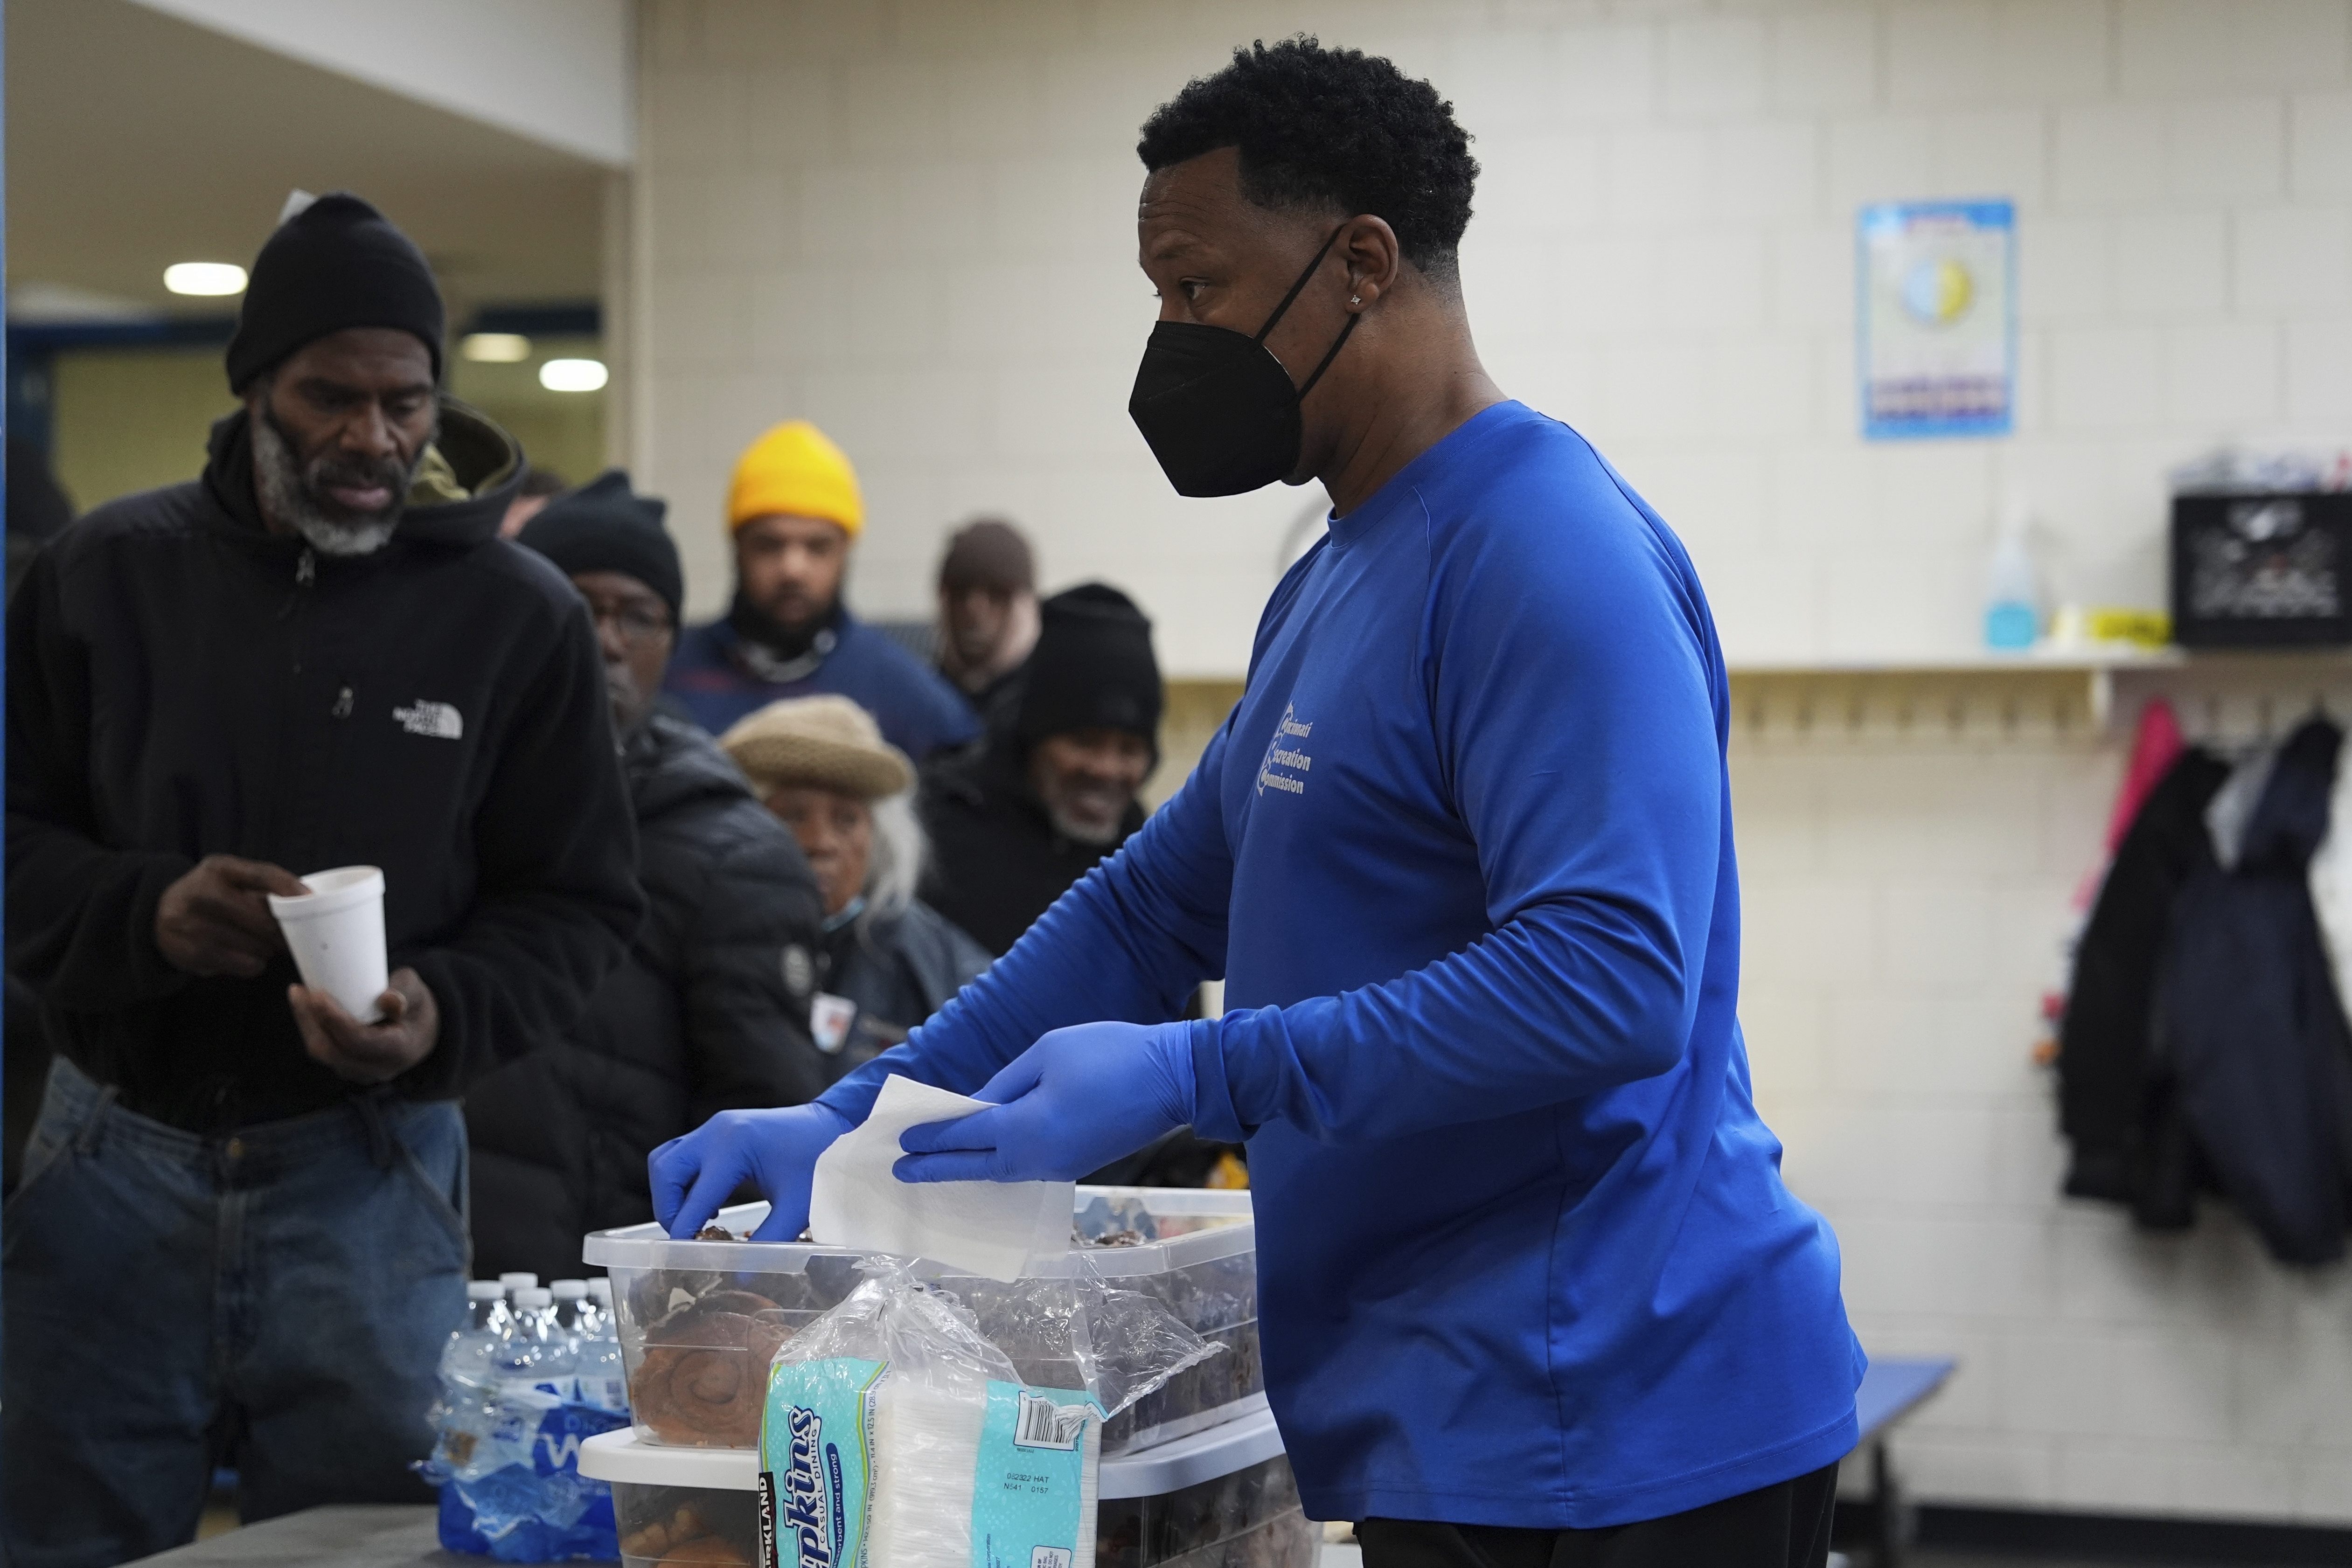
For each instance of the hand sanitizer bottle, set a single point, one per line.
(2013, 615)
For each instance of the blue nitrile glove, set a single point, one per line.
(776, 1150)
(1075, 1101)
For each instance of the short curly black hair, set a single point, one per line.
(1329, 128)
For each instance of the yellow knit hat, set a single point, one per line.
(795, 471)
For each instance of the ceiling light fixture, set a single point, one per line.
(572, 375)
(204, 277)
(495, 347)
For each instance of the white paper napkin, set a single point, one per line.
(986, 1228)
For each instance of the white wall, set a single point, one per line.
(914, 223)
(557, 71)
(1903, 901)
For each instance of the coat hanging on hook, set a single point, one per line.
(2247, 1027)
(2105, 1095)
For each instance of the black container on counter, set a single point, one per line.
(2263, 570)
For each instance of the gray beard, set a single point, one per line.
(1080, 832)
(345, 538)
(278, 473)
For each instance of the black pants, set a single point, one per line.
(1783, 1526)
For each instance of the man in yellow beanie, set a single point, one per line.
(795, 513)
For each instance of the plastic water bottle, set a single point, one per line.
(603, 1381)
(511, 1284)
(542, 1355)
(507, 1456)
(485, 1305)
(466, 1359)
(569, 1296)
(536, 1308)
(595, 1319)
(472, 1368)
(522, 1350)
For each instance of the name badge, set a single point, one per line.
(829, 1021)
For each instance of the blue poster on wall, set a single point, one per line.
(1937, 319)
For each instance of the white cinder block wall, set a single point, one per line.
(1904, 905)
(913, 223)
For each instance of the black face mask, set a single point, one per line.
(1215, 405)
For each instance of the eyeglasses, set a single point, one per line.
(635, 623)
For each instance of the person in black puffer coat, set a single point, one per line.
(711, 1011)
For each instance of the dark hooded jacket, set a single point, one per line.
(709, 1012)
(2248, 1023)
(997, 860)
(183, 682)
(2116, 1109)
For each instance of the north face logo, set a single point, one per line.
(439, 720)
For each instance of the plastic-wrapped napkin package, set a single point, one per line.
(1223, 1498)
(700, 1321)
(895, 1435)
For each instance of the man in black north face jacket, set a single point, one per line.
(239, 1237)
(711, 1010)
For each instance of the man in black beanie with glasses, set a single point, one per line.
(711, 1009)
(240, 1235)
(1053, 789)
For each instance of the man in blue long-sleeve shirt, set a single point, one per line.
(1533, 1293)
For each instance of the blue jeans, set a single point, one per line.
(276, 1300)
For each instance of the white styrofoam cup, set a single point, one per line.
(336, 931)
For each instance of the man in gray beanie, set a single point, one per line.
(240, 1233)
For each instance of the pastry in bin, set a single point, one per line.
(683, 1537)
(705, 1371)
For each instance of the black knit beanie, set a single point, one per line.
(335, 264)
(604, 526)
(1092, 667)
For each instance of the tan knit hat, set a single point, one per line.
(828, 742)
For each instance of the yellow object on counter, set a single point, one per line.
(2076, 626)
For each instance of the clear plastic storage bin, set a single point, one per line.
(700, 1321)
(679, 1505)
(1223, 1498)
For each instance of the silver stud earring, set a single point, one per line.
(1355, 299)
